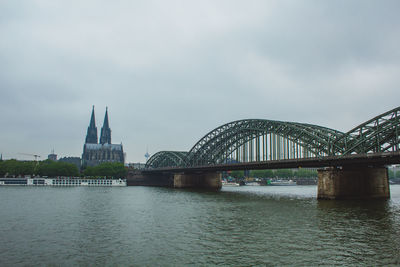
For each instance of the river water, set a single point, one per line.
(240, 226)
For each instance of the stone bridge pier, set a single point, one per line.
(206, 180)
(360, 182)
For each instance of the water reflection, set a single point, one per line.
(163, 226)
(363, 228)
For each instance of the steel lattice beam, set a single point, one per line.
(286, 140)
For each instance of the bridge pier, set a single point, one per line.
(138, 178)
(353, 183)
(209, 180)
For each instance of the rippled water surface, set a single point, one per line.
(250, 225)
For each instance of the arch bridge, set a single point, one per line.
(268, 144)
(256, 140)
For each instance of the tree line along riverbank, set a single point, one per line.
(49, 168)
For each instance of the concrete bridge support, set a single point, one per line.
(209, 180)
(138, 178)
(353, 183)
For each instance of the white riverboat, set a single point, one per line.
(283, 182)
(226, 183)
(40, 181)
(252, 184)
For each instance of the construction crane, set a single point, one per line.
(33, 155)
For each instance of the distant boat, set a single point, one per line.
(66, 181)
(283, 182)
(253, 184)
(226, 183)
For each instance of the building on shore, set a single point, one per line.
(95, 153)
(72, 160)
(52, 156)
(137, 166)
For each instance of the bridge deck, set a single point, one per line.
(373, 159)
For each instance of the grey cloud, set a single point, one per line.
(170, 71)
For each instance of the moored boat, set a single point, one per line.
(283, 182)
(226, 183)
(66, 181)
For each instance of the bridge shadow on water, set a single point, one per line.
(354, 232)
(364, 228)
(261, 225)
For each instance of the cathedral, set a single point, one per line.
(95, 153)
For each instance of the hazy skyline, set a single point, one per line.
(171, 71)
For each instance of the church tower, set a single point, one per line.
(91, 136)
(96, 153)
(105, 136)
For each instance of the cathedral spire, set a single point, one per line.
(105, 136)
(92, 119)
(91, 136)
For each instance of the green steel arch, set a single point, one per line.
(379, 134)
(216, 146)
(261, 140)
(165, 159)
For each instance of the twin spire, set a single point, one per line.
(105, 135)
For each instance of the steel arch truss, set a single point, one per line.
(380, 134)
(261, 140)
(285, 139)
(165, 159)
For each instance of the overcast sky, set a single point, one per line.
(171, 71)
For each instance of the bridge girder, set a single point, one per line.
(380, 134)
(164, 159)
(229, 137)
